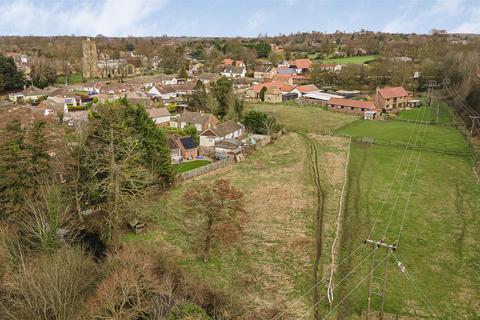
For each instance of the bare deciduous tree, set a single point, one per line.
(214, 203)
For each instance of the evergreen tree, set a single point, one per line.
(198, 100)
(261, 95)
(23, 162)
(10, 77)
(222, 90)
(182, 72)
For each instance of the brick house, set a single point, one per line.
(182, 148)
(201, 121)
(188, 147)
(391, 98)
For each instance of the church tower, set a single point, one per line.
(90, 60)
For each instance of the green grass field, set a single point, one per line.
(350, 60)
(306, 119)
(438, 244)
(190, 165)
(442, 138)
(270, 265)
(440, 115)
(74, 78)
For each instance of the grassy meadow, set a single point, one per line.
(305, 119)
(438, 243)
(442, 138)
(269, 264)
(350, 60)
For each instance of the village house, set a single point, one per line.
(206, 78)
(182, 148)
(234, 72)
(32, 94)
(350, 106)
(262, 72)
(308, 88)
(93, 87)
(273, 95)
(301, 65)
(201, 121)
(175, 155)
(330, 67)
(188, 147)
(391, 98)
(234, 63)
(138, 97)
(254, 91)
(226, 130)
(161, 116)
(165, 93)
(291, 79)
(166, 79)
(286, 71)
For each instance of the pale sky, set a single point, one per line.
(233, 17)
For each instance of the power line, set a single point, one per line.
(351, 291)
(396, 173)
(315, 285)
(416, 287)
(351, 271)
(404, 177)
(411, 185)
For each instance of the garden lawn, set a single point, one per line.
(441, 138)
(306, 119)
(190, 165)
(350, 60)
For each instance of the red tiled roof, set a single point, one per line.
(352, 103)
(302, 63)
(392, 92)
(307, 88)
(284, 87)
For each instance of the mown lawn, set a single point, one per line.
(190, 165)
(350, 60)
(443, 138)
(306, 119)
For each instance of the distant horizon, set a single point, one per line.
(229, 19)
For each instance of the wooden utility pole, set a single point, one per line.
(384, 289)
(370, 285)
(474, 119)
(390, 248)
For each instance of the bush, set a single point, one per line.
(49, 287)
(188, 311)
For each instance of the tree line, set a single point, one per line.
(66, 198)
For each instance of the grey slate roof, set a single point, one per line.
(194, 117)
